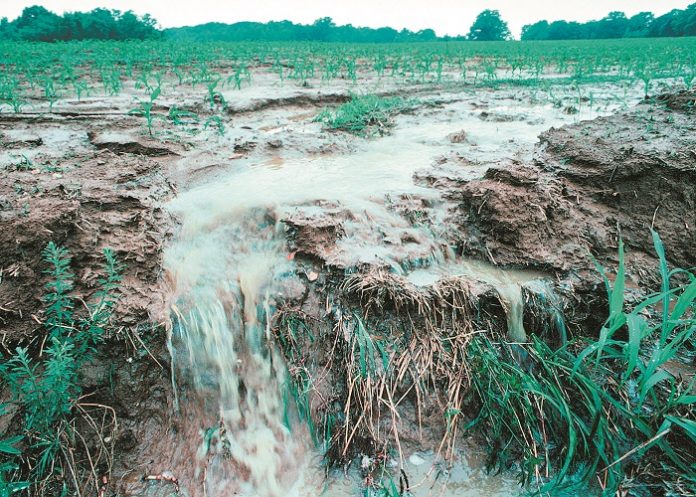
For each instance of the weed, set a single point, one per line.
(572, 420)
(47, 391)
(364, 115)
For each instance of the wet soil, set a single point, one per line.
(57, 187)
(464, 177)
(589, 185)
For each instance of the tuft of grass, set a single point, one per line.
(365, 114)
(603, 413)
(378, 368)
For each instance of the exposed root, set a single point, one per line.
(396, 350)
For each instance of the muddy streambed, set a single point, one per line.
(265, 251)
(232, 265)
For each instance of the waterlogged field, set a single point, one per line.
(348, 270)
(42, 73)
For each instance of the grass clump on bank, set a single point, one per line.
(603, 413)
(365, 115)
(596, 416)
(54, 451)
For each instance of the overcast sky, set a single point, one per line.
(445, 16)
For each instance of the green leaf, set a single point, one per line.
(664, 274)
(617, 294)
(684, 302)
(653, 380)
(7, 446)
(688, 425)
(636, 332)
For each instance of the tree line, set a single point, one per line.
(39, 24)
(488, 26)
(617, 25)
(323, 29)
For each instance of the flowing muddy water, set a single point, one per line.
(507, 282)
(230, 262)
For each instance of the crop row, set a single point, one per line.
(47, 72)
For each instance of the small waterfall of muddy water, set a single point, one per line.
(230, 262)
(507, 282)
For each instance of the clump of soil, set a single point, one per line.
(87, 203)
(122, 143)
(591, 184)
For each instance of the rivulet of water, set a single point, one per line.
(230, 264)
(221, 340)
(507, 282)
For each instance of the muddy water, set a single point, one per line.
(427, 477)
(508, 283)
(230, 261)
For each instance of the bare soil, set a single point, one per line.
(93, 179)
(85, 200)
(589, 185)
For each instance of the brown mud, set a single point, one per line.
(96, 180)
(590, 184)
(85, 200)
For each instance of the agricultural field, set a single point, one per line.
(447, 268)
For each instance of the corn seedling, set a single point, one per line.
(181, 117)
(24, 164)
(217, 122)
(214, 96)
(145, 110)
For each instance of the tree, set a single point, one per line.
(322, 28)
(385, 35)
(562, 30)
(4, 28)
(426, 35)
(617, 25)
(489, 26)
(613, 25)
(39, 24)
(537, 31)
(639, 25)
(685, 22)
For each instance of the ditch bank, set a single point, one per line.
(590, 185)
(373, 309)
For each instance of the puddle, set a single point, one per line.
(425, 476)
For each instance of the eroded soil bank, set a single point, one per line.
(588, 185)
(287, 258)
